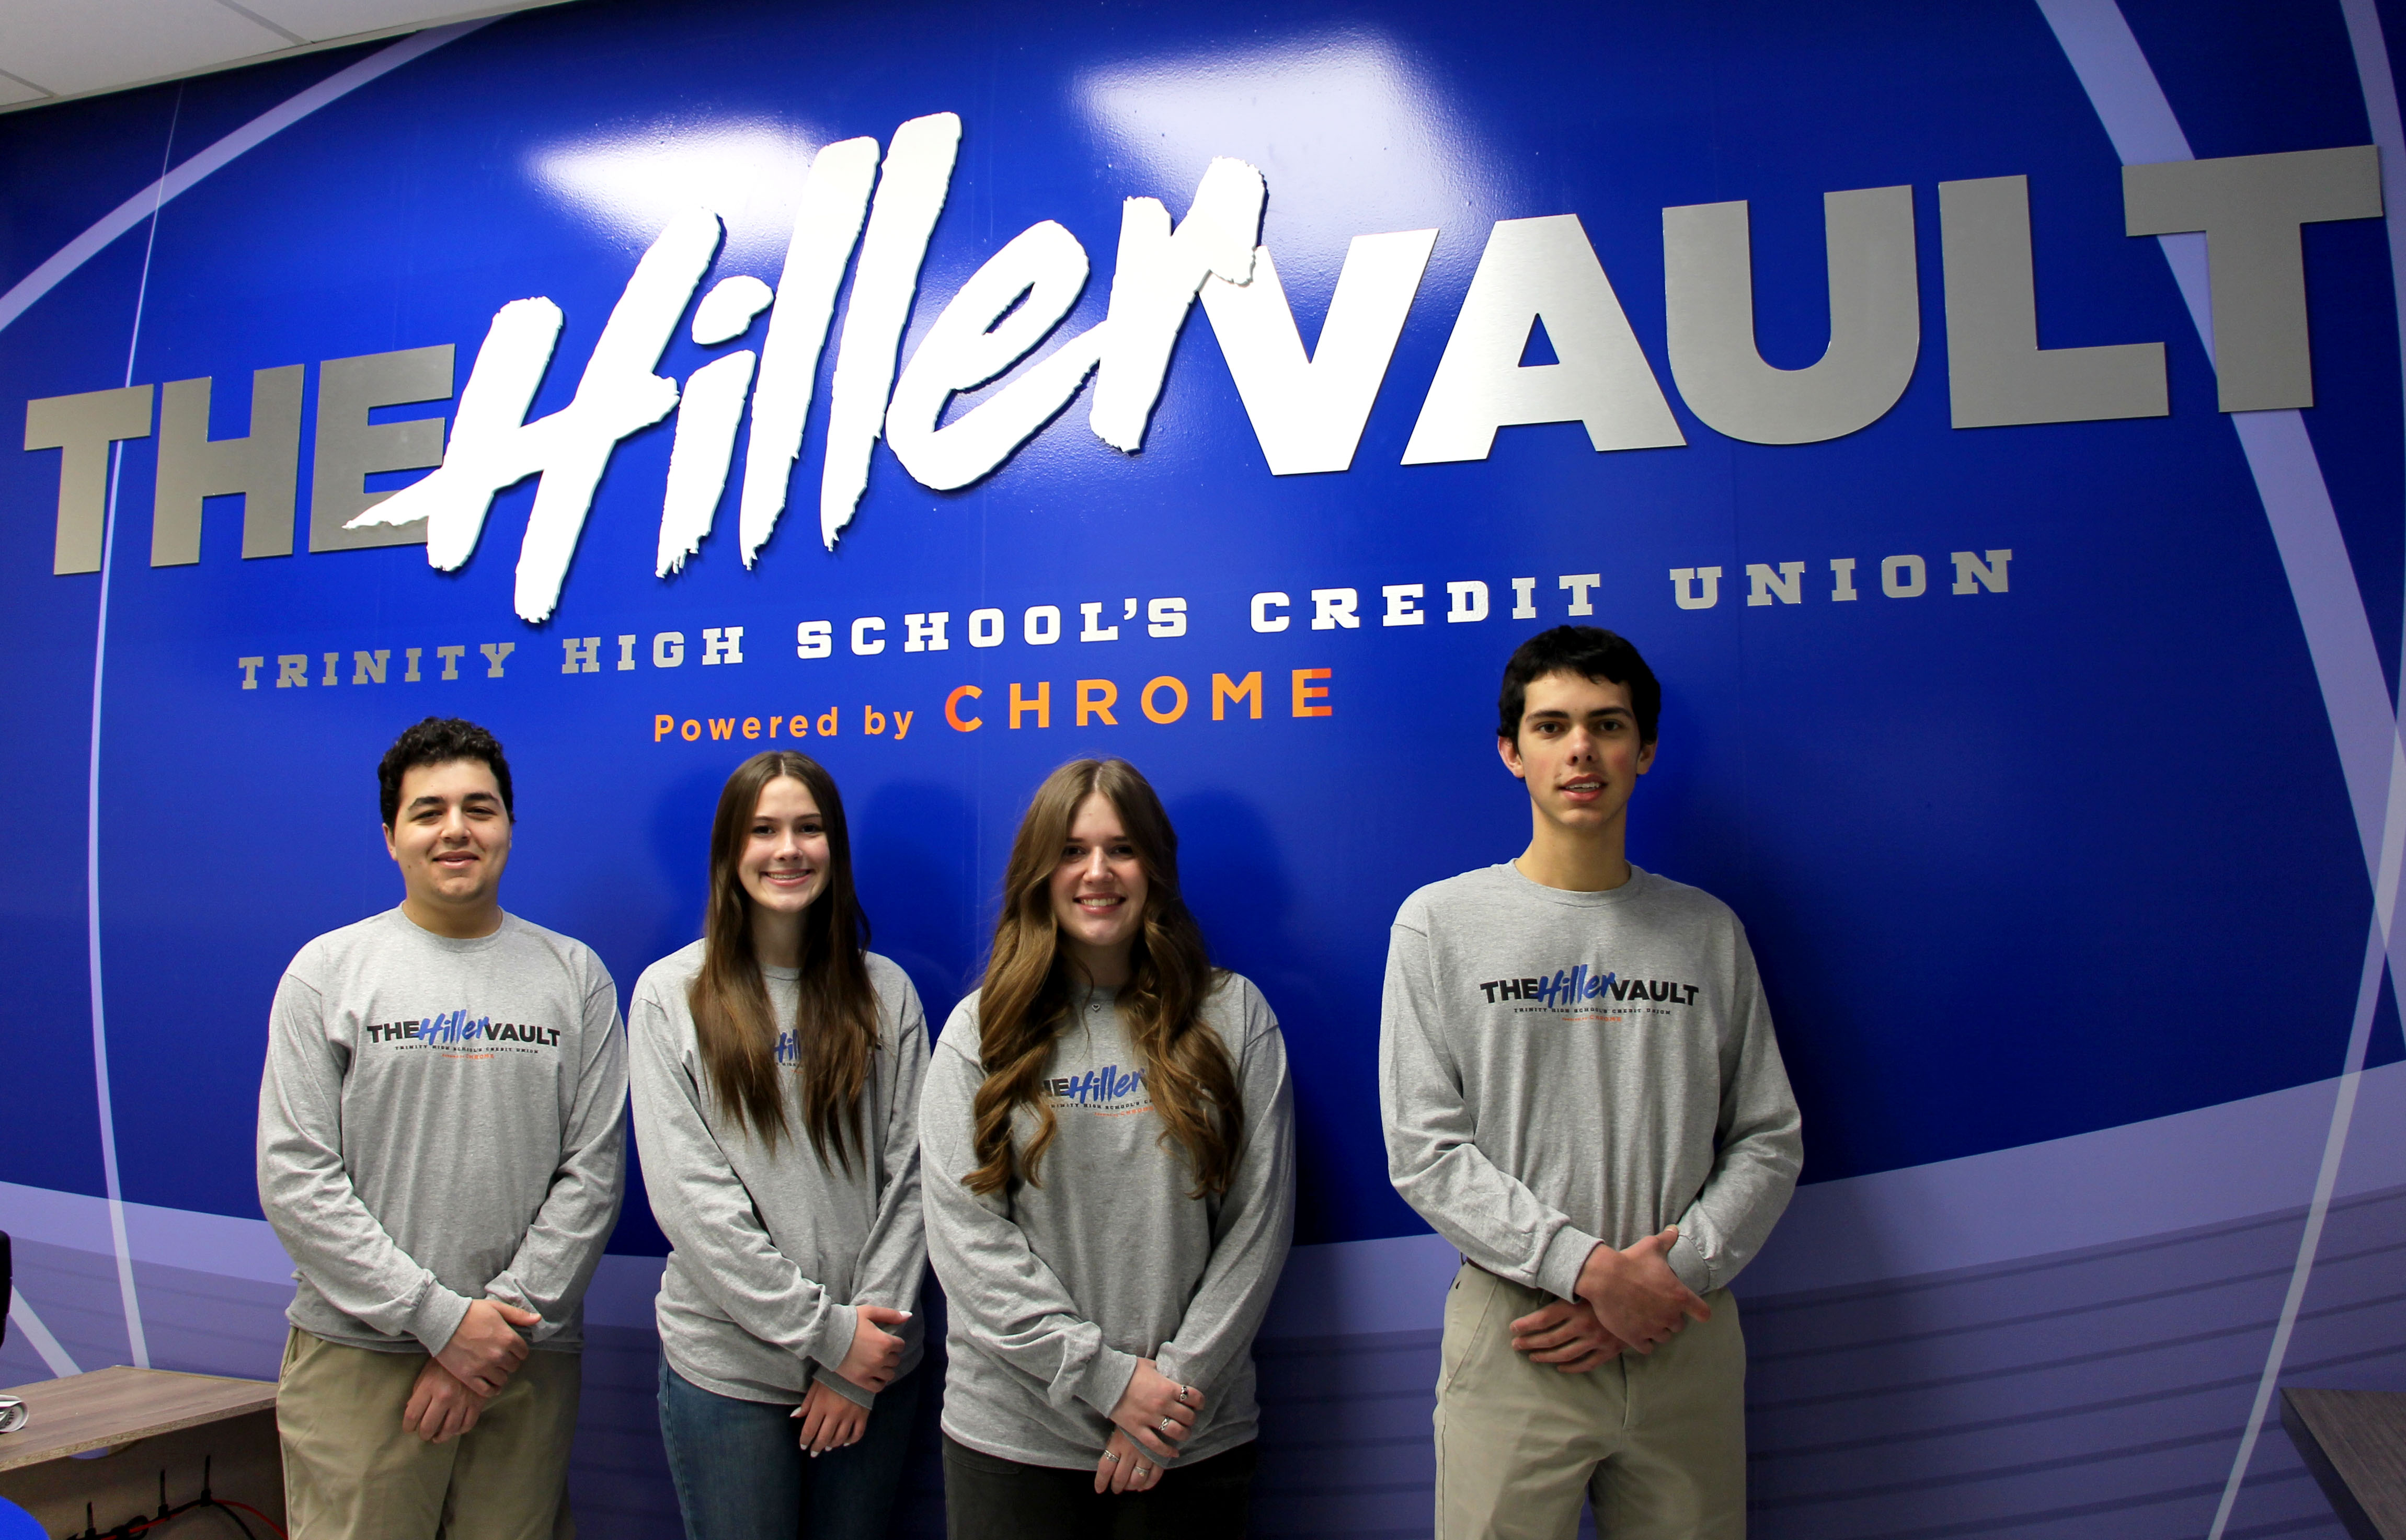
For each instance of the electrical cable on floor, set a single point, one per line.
(168, 1512)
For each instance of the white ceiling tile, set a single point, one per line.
(16, 93)
(321, 20)
(92, 45)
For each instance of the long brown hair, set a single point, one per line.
(835, 1021)
(1025, 999)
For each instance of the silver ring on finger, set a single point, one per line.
(1111, 1455)
(1167, 1424)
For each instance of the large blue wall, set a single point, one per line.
(2072, 867)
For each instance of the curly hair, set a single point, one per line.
(439, 741)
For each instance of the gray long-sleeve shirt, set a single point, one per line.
(1562, 1069)
(772, 1253)
(442, 1120)
(1056, 1290)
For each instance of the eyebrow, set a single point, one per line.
(431, 800)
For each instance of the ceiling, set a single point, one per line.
(53, 50)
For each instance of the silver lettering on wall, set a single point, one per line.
(1534, 271)
(1536, 277)
(350, 448)
(83, 426)
(262, 468)
(1875, 321)
(1997, 374)
(1309, 410)
(2250, 207)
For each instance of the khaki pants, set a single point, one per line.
(1656, 1442)
(352, 1472)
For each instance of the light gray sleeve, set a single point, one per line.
(1008, 1302)
(306, 1194)
(1433, 1156)
(1759, 1145)
(1254, 1222)
(895, 1256)
(555, 1260)
(704, 1208)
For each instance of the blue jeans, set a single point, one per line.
(740, 1473)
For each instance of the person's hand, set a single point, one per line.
(830, 1420)
(1156, 1411)
(874, 1354)
(485, 1351)
(1566, 1335)
(1124, 1467)
(1635, 1294)
(440, 1409)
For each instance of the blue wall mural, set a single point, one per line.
(2026, 581)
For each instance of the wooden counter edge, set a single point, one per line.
(14, 1455)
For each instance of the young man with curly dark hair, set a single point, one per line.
(440, 1150)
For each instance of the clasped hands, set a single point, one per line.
(831, 1419)
(1626, 1300)
(1151, 1419)
(453, 1387)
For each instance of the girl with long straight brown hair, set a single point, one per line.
(776, 1066)
(1109, 1140)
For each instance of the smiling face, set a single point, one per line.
(783, 867)
(1098, 891)
(1577, 751)
(450, 837)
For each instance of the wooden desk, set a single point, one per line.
(2355, 1442)
(146, 1420)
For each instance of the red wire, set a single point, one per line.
(221, 1501)
(230, 1502)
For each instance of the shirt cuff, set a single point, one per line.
(504, 1289)
(1106, 1380)
(437, 1317)
(1688, 1260)
(822, 1375)
(1172, 1361)
(831, 1344)
(1558, 1270)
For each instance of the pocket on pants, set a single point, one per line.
(1470, 1308)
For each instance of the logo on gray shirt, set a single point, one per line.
(1104, 1090)
(454, 1028)
(1583, 984)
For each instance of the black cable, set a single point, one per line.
(166, 1514)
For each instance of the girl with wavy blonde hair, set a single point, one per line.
(1107, 1142)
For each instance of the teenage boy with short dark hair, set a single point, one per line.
(440, 1150)
(1581, 1092)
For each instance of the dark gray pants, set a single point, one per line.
(987, 1498)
